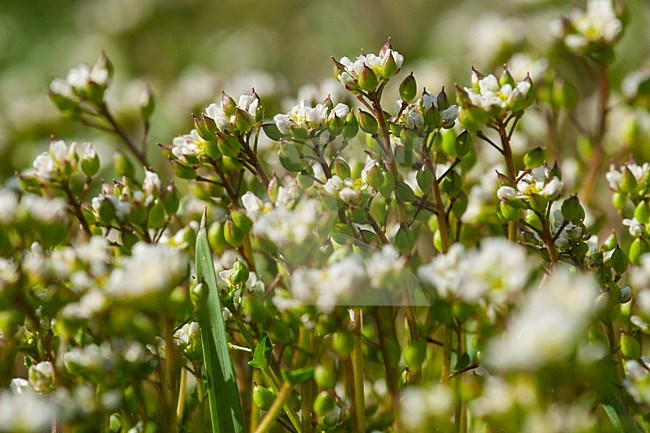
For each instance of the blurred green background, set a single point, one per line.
(190, 49)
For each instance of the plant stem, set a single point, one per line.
(117, 129)
(440, 210)
(269, 419)
(597, 143)
(549, 241)
(446, 354)
(510, 171)
(391, 376)
(357, 371)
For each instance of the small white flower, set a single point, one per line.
(151, 184)
(636, 228)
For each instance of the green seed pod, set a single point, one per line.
(404, 192)
(323, 403)
(509, 213)
(408, 88)
(335, 126)
(375, 177)
(389, 68)
(243, 121)
(463, 144)
(442, 100)
(630, 347)
(340, 168)
(534, 157)
(228, 105)
(228, 146)
(325, 376)
(619, 201)
(424, 178)
(90, 166)
(368, 80)
(618, 260)
(351, 127)
(342, 342)
(171, 200)
(387, 187)
(415, 353)
(241, 220)
(233, 234)
(290, 158)
(263, 397)
(368, 123)
(638, 248)
(572, 210)
(628, 181)
(642, 212)
(404, 240)
(156, 215)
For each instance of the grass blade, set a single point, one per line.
(226, 411)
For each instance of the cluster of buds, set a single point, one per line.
(127, 203)
(493, 99)
(230, 117)
(427, 112)
(305, 121)
(593, 31)
(568, 227)
(58, 164)
(188, 339)
(630, 184)
(368, 72)
(83, 84)
(534, 189)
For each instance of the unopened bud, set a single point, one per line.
(408, 88)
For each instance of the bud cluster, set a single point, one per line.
(427, 112)
(84, 84)
(304, 120)
(493, 99)
(368, 71)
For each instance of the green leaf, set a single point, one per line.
(301, 375)
(617, 414)
(226, 411)
(262, 353)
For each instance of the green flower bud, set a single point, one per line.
(506, 77)
(368, 123)
(375, 176)
(228, 145)
(473, 118)
(534, 157)
(240, 273)
(389, 68)
(368, 80)
(263, 397)
(425, 178)
(404, 192)
(351, 127)
(642, 212)
(442, 100)
(404, 240)
(611, 242)
(273, 189)
(509, 213)
(90, 165)
(630, 347)
(628, 181)
(243, 121)
(233, 234)
(408, 88)
(572, 210)
(228, 105)
(619, 201)
(638, 248)
(335, 126)
(205, 127)
(323, 403)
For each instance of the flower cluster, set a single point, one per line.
(312, 119)
(368, 71)
(593, 30)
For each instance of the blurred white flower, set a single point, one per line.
(25, 413)
(418, 405)
(547, 327)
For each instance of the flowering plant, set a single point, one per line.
(424, 264)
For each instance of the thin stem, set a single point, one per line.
(391, 376)
(597, 143)
(357, 371)
(76, 207)
(510, 170)
(117, 129)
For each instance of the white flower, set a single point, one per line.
(25, 413)
(636, 228)
(303, 115)
(550, 322)
(8, 205)
(333, 185)
(90, 359)
(41, 376)
(419, 404)
(151, 270)
(151, 184)
(487, 93)
(506, 193)
(252, 203)
(188, 332)
(187, 144)
(598, 23)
